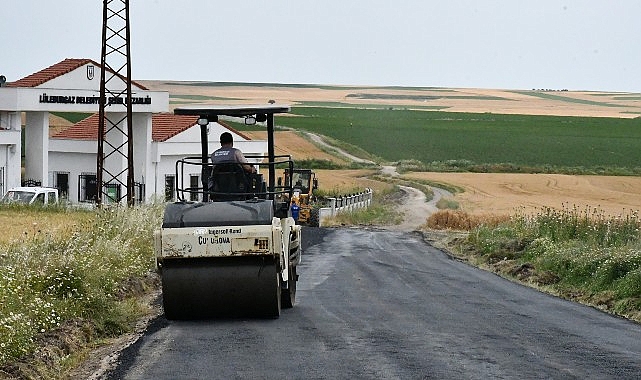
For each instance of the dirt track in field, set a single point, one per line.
(483, 192)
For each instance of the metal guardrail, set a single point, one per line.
(345, 203)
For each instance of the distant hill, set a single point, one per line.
(529, 102)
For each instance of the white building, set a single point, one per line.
(67, 160)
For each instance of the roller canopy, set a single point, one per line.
(211, 112)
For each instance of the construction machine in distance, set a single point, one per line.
(304, 183)
(234, 251)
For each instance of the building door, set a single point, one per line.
(2, 181)
(61, 180)
(139, 192)
(194, 185)
(170, 186)
(88, 191)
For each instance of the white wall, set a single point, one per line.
(37, 146)
(75, 164)
(10, 149)
(143, 168)
(154, 160)
(31, 99)
(4, 158)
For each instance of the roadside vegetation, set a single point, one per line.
(579, 254)
(380, 212)
(63, 290)
(329, 165)
(405, 166)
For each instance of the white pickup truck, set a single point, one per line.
(31, 195)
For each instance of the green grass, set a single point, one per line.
(581, 254)
(447, 203)
(629, 97)
(52, 282)
(544, 143)
(380, 212)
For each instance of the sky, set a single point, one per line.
(495, 44)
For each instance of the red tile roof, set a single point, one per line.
(164, 127)
(54, 71)
(167, 125)
(86, 129)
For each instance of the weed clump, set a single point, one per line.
(454, 219)
(581, 253)
(48, 281)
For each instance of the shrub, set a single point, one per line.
(461, 220)
(447, 203)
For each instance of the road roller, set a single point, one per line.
(228, 246)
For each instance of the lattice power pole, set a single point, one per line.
(115, 130)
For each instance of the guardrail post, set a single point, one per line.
(349, 202)
(332, 205)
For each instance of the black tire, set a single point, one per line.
(274, 311)
(288, 296)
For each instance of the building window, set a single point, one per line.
(139, 192)
(61, 182)
(170, 187)
(87, 189)
(194, 181)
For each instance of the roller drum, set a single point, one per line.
(221, 287)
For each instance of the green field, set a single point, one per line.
(595, 144)
(73, 117)
(547, 95)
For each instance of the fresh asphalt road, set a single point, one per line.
(385, 305)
